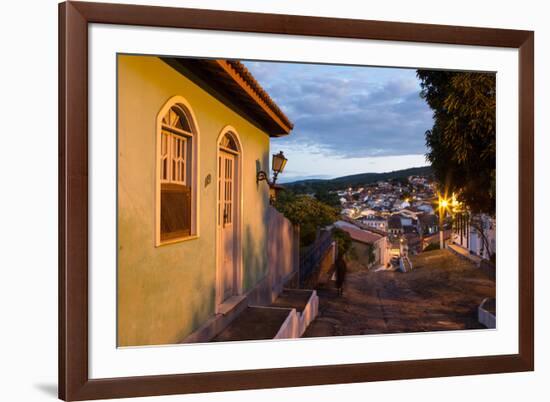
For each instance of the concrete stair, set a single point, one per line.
(287, 317)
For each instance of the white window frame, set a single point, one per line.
(171, 158)
(189, 166)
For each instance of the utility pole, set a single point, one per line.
(443, 204)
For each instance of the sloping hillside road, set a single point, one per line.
(442, 292)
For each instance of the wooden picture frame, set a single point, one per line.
(74, 381)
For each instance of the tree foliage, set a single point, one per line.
(343, 241)
(372, 257)
(327, 197)
(462, 142)
(308, 212)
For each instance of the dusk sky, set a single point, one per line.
(346, 119)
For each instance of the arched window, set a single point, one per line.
(177, 175)
(229, 143)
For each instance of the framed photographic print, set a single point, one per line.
(259, 200)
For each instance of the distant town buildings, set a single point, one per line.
(375, 221)
(405, 214)
(400, 212)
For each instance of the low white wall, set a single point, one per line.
(290, 328)
(486, 318)
(296, 323)
(309, 314)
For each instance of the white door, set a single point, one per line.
(226, 224)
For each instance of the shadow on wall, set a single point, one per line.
(254, 252)
(281, 247)
(254, 259)
(173, 306)
(199, 316)
(258, 167)
(262, 164)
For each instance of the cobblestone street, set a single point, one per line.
(441, 293)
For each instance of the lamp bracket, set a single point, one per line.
(261, 175)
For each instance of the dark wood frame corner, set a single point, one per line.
(74, 382)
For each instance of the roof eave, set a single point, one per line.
(242, 77)
(224, 80)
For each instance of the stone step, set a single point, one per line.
(288, 317)
(255, 323)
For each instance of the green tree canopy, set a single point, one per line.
(462, 142)
(343, 240)
(329, 198)
(306, 211)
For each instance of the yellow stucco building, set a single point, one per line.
(192, 217)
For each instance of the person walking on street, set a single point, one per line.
(341, 268)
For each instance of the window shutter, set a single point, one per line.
(175, 212)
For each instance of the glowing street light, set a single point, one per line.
(443, 203)
(278, 164)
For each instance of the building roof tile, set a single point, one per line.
(234, 85)
(357, 234)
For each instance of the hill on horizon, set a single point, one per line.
(312, 185)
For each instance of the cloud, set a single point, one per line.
(348, 111)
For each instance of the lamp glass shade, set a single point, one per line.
(279, 162)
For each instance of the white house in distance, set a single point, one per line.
(375, 222)
(378, 242)
(467, 235)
